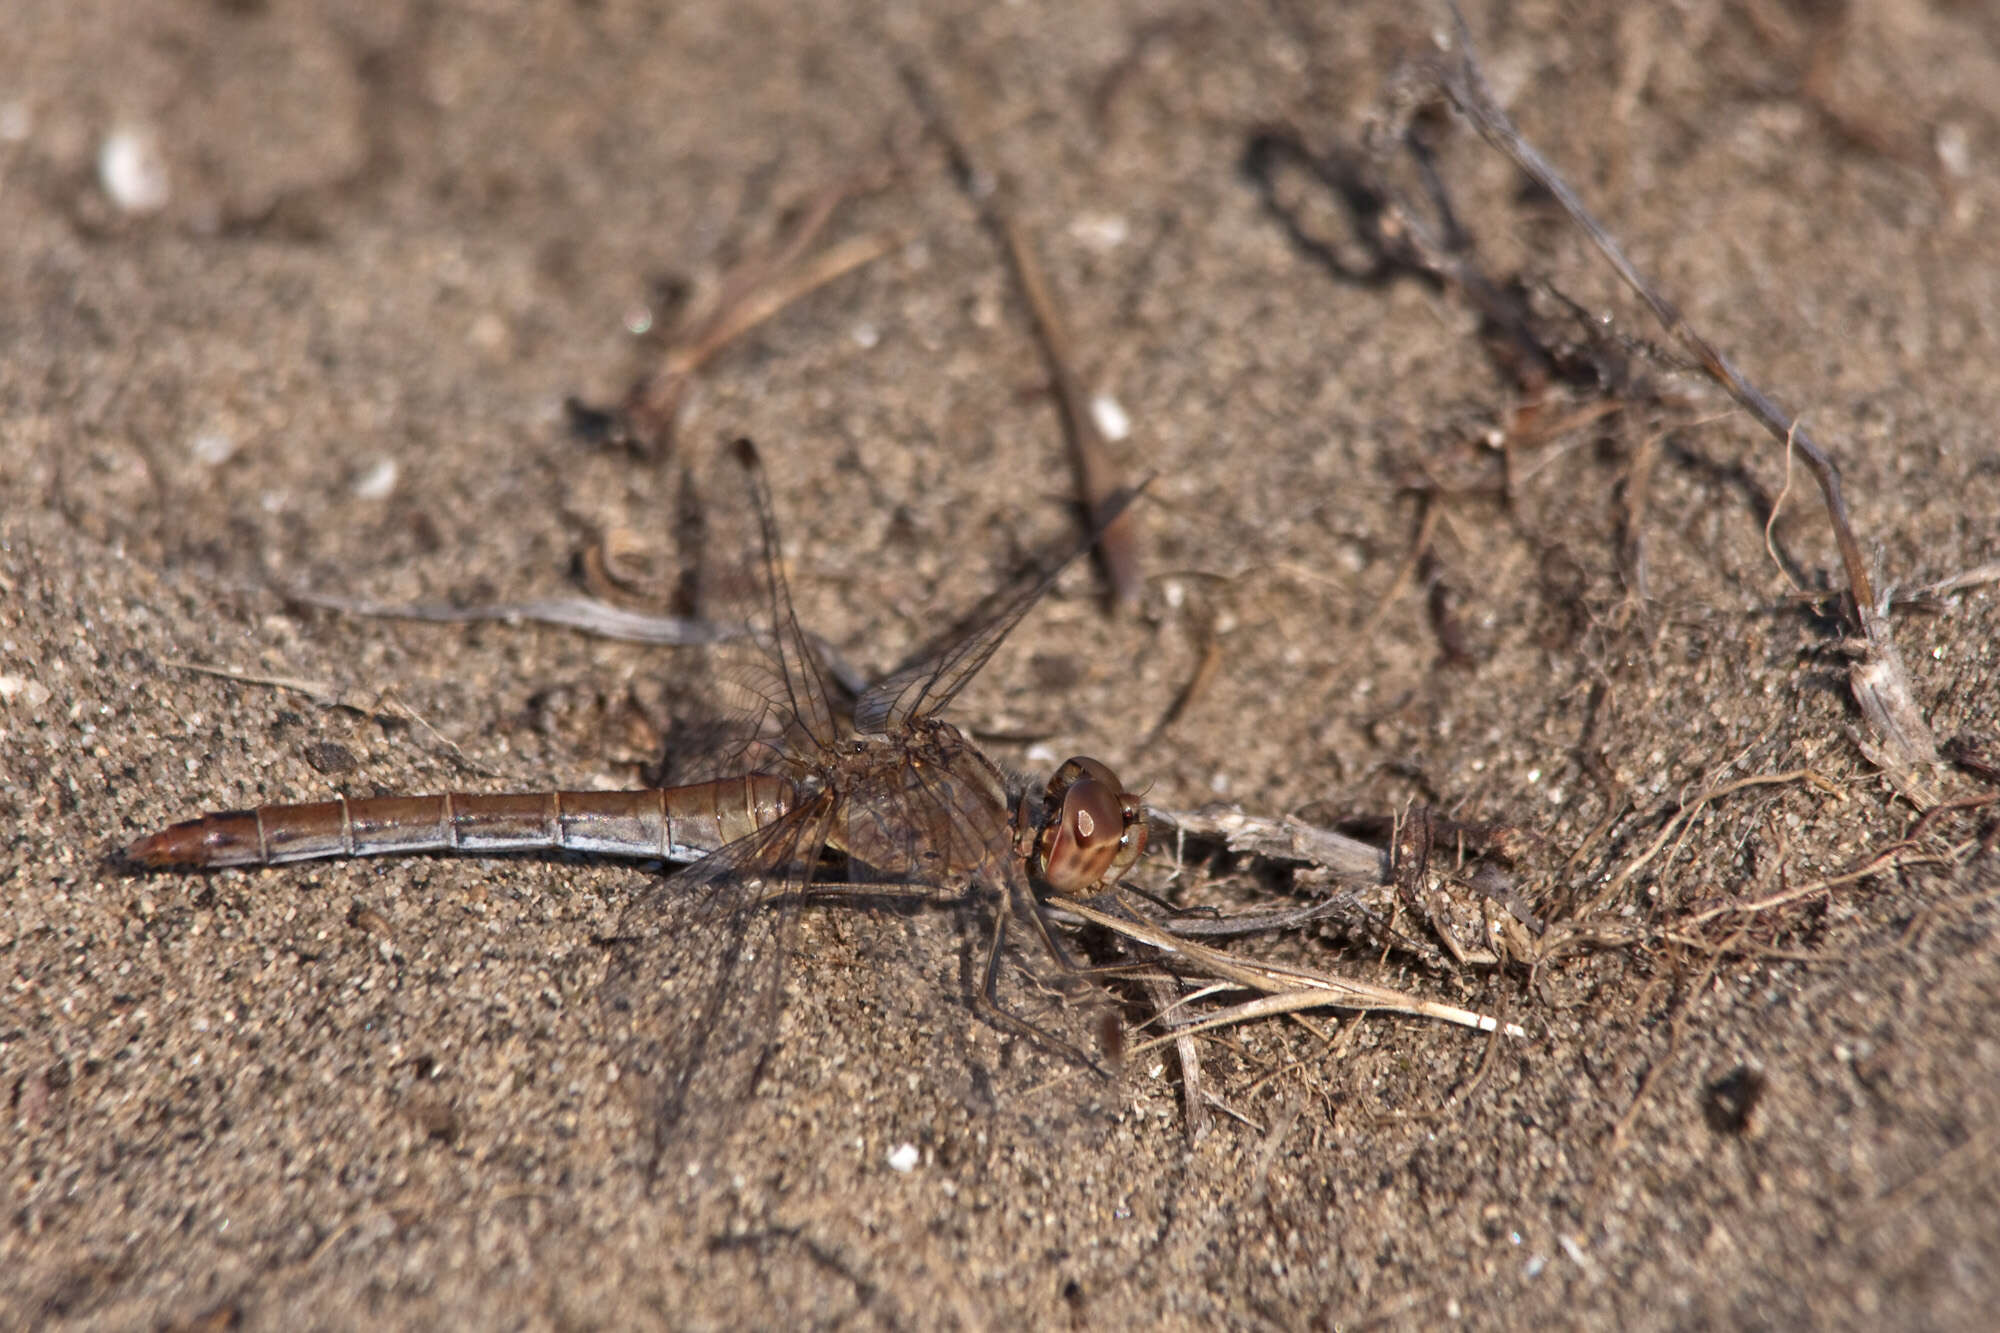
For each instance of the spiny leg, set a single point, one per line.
(986, 1000)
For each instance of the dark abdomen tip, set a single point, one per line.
(225, 839)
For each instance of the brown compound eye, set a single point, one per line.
(1085, 838)
(1096, 827)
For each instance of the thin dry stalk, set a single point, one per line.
(1285, 987)
(378, 705)
(1187, 1051)
(783, 289)
(1902, 746)
(585, 614)
(1893, 859)
(1684, 816)
(1283, 838)
(1101, 485)
(751, 292)
(1099, 480)
(1406, 573)
(1205, 670)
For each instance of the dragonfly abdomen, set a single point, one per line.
(673, 823)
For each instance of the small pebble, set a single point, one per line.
(213, 447)
(377, 482)
(1110, 417)
(1100, 231)
(132, 170)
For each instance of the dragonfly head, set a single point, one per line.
(1091, 827)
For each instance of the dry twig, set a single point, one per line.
(378, 705)
(751, 292)
(1902, 744)
(1284, 988)
(1100, 482)
(586, 614)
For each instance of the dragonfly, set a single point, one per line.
(901, 801)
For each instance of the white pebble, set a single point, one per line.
(213, 447)
(1113, 422)
(30, 692)
(1100, 231)
(377, 481)
(903, 1158)
(1954, 149)
(132, 171)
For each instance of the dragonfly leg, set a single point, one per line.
(1051, 941)
(987, 1000)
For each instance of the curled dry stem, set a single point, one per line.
(1900, 740)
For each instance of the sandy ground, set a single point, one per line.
(333, 351)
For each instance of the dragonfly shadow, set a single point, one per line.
(897, 969)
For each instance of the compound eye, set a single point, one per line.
(1096, 770)
(1087, 837)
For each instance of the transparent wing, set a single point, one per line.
(795, 686)
(697, 973)
(923, 690)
